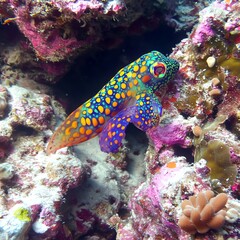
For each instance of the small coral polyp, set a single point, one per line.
(203, 212)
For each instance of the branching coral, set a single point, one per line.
(203, 212)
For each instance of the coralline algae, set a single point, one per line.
(36, 21)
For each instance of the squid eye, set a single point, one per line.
(158, 69)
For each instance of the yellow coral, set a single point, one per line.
(203, 212)
(22, 214)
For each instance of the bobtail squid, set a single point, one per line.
(127, 98)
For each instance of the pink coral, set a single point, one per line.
(153, 204)
(52, 48)
(49, 26)
(202, 33)
(206, 30)
(170, 134)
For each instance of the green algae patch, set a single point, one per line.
(187, 104)
(217, 155)
(22, 214)
(226, 54)
(232, 64)
(209, 126)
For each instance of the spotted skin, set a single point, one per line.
(112, 135)
(127, 97)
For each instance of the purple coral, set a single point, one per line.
(205, 29)
(153, 203)
(170, 134)
(35, 20)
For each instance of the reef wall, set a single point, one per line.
(184, 185)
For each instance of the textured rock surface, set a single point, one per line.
(56, 32)
(33, 185)
(50, 25)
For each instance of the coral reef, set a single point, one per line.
(51, 26)
(58, 31)
(87, 194)
(182, 13)
(39, 184)
(203, 212)
(156, 203)
(200, 125)
(32, 185)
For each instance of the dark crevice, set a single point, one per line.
(230, 123)
(186, 152)
(24, 131)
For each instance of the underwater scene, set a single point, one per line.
(119, 120)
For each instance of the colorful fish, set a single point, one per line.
(127, 98)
